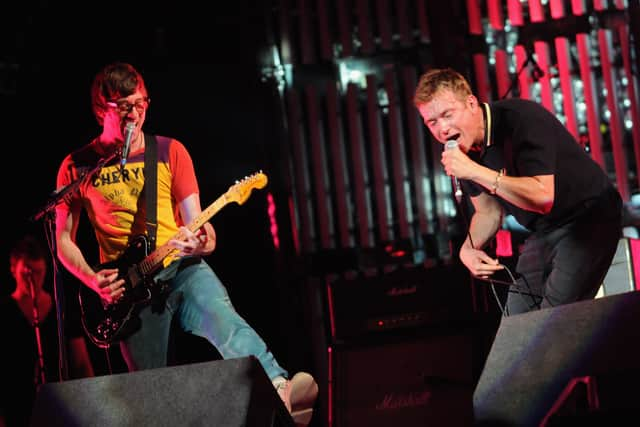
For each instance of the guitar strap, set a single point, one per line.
(151, 187)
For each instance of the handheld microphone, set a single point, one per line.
(450, 145)
(128, 135)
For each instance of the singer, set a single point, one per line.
(513, 156)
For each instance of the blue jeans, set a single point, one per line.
(568, 263)
(202, 306)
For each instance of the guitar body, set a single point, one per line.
(104, 323)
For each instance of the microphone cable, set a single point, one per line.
(504, 310)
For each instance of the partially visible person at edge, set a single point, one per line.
(515, 157)
(19, 320)
(195, 296)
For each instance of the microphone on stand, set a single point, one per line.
(128, 135)
(450, 145)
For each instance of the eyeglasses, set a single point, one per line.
(124, 107)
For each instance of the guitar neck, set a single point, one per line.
(154, 260)
(238, 193)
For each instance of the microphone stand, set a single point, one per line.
(48, 212)
(39, 377)
(536, 73)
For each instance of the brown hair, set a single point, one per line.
(438, 79)
(116, 80)
(28, 247)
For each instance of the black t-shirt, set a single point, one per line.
(527, 140)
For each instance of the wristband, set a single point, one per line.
(496, 183)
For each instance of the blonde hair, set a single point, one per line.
(438, 79)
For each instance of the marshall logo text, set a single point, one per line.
(405, 400)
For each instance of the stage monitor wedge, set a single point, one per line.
(535, 355)
(230, 393)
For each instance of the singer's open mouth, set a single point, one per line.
(453, 137)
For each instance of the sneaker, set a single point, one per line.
(299, 396)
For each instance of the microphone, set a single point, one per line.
(128, 135)
(450, 145)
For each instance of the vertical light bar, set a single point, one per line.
(326, 49)
(293, 214)
(578, 7)
(583, 45)
(619, 157)
(404, 28)
(474, 16)
(566, 84)
(364, 26)
(514, 9)
(273, 223)
(301, 184)
(319, 168)
(623, 35)
(423, 22)
(536, 14)
(563, 56)
(344, 25)
(480, 64)
(494, 10)
(481, 69)
(286, 51)
(384, 26)
(496, 20)
(590, 98)
(635, 257)
(380, 191)
(557, 9)
(331, 308)
(541, 49)
(306, 33)
(503, 79)
(542, 54)
(536, 11)
(399, 167)
(330, 388)
(523, 79)
(338, 162)
(359, 171)
(418, 156)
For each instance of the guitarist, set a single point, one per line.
(113, 199)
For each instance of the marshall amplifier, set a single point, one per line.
(425, 381)
(405, 298)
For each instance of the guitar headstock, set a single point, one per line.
(241, 190)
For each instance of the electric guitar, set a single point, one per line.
(106, 323)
